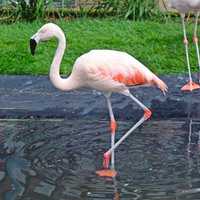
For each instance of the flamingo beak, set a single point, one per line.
(33, 45)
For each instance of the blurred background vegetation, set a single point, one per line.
(30, 10)
(141, 28)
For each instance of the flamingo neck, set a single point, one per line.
(65, 84)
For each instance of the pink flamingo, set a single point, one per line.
(105, 70)
(184, 6)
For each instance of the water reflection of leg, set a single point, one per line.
(116, 191)
(189, 136)
(193, 143)
(198, 158)
(189, 159)
(189, 154)
(192, 154)
(198, 142)
(194, 134)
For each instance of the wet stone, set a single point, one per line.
(45, 189)
(34, 90)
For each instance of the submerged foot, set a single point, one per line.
(190, 86)
(107, 173)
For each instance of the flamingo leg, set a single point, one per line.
(190, 85)
(113, 126)
(147, 115)
(195, 40)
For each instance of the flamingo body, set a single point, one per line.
(112, 71)
(184, 6)
(105, 70)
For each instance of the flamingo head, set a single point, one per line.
(45, 33)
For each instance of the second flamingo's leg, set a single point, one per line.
(113, 126)
(147, 115)
(196, 40)
(190, 85)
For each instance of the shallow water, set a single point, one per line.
(57, 160)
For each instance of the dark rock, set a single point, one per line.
(35, 97)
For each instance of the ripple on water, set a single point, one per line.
(58, 160)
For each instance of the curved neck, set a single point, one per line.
(59, 82)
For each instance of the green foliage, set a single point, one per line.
(11, 14)
(71, 13)
(7, 15)
(38, 9)
(33, 10)
(157, 45)
(130, 9)
(25, 10)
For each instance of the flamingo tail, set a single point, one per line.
(160, 84)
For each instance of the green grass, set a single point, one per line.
(159, 46)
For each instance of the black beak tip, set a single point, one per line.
(33, 45)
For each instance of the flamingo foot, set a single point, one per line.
(107, 173)
(190, 86)
(106, 160)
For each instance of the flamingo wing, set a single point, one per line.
(119, 75)
(104, 82)
(113, 71)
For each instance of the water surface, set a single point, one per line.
(57, 160)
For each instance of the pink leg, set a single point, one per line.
(113, 127)
(196, 41)
(190, 85)
(147, 115)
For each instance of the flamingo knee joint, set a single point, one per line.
(185, 41)
(113, 126)
(106, 159)
(147, 114)
(195, 39)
